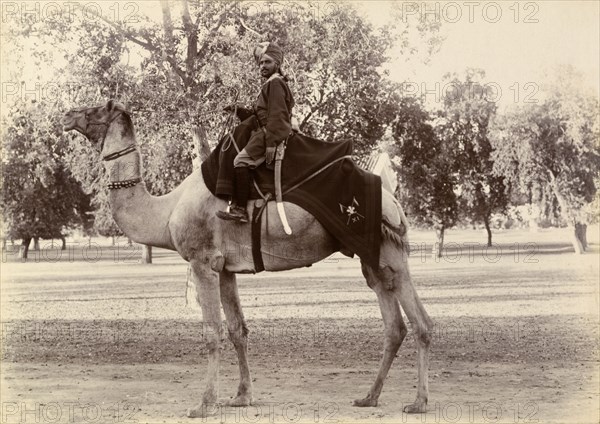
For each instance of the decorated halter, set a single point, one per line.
(106, 124)
(115, 185)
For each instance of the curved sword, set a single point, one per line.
(279, 152)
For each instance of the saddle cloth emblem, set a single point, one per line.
(351, 211)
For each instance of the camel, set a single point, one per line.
(184, 221)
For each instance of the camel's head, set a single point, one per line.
(93, 122)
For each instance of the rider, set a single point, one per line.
(273, 109)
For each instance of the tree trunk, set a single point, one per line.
(486, 222)
(201, 147)
(577, 245)
(24, 250)
(3, 244)
(533, 218)
(574, 226)
(64, 243)
(36, 243)
(580, 232)
(439, 244)
(201, 153)
(129, 242)
(146, 254)
(113, 240)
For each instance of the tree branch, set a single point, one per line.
(261, 36)
(318, 105)
(209, 37)
(191, 33)
(145, 44)
(167, 23)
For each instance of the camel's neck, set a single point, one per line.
(142, 217)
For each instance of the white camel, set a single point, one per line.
(184, 220)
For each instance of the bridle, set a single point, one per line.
(115, 155)
(106, 124)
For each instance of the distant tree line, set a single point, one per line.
(464, 161)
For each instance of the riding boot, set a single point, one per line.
(238, 211)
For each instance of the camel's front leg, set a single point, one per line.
(395, 331)
(238, 334)
(207, 282)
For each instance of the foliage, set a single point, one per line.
(427, 169)
(178, 73)
(463, 127)
(549, 150)
(40, 196)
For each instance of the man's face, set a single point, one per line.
(267, 66)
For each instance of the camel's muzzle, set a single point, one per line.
(68, 122)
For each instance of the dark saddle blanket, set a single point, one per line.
(344, 198)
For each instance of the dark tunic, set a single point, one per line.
(273, 108)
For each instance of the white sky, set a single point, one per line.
(567, 32)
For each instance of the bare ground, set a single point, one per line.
(516, 338)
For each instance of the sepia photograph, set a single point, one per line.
(222, 211)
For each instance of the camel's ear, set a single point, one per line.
(113, 105)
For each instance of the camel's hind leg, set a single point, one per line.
(422, 326)
(395, 331)
(238, 334)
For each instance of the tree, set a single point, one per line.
(40, 196)
(467, 111)
(427, 170)
(197, 59)
(552, 148)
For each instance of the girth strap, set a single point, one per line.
(257, 211)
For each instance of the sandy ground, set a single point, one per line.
(515, 341)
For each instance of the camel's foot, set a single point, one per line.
(366, 402)
(417, 407)
(203, 411)
(239, 400)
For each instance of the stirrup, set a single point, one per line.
(235, 214)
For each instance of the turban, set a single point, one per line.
(270, 49)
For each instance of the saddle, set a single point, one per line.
(318, 176)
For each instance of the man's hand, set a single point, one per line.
(242, 112)
(270, 155)
(231, 107)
